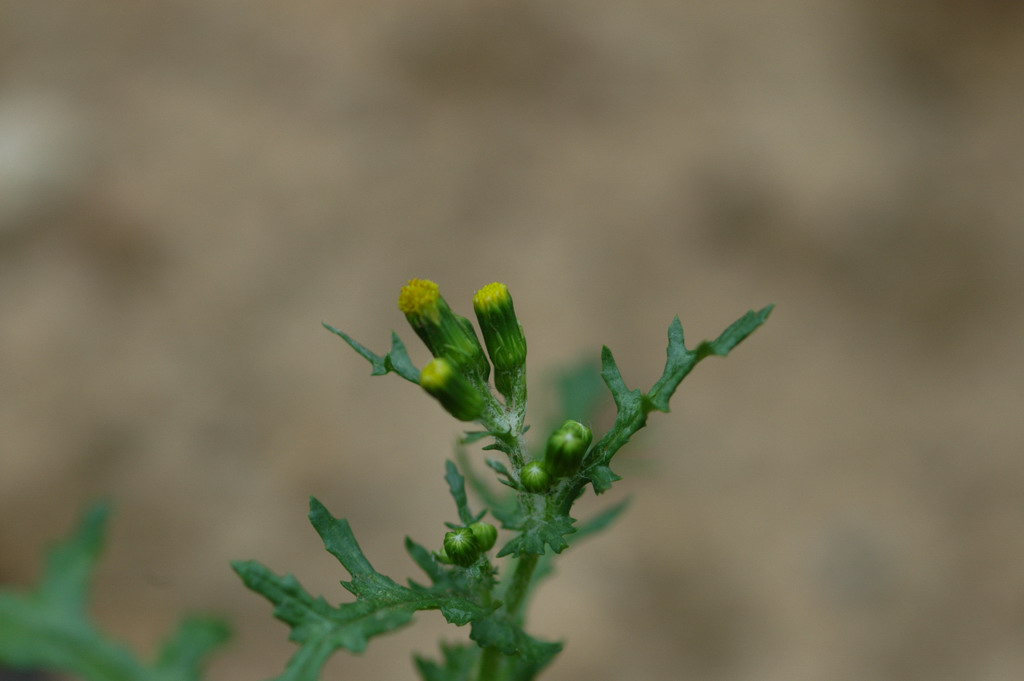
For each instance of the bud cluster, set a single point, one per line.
(457, 377)
(463, 546)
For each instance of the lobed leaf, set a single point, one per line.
(633, 405)
(537, 533)
(381, 604)
(459, 664)
(457, 487)
(50, 628)
(529, 655)
(397, 360)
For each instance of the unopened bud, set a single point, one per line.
(486, 535)
(457, 395)
(503, 334)
(462, 546)
(535, 477)
(566, 448)
(445, 333)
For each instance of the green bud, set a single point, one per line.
(445, 333)
(457, 395)
(503, 334)
(534, 477)
(566, 448)
(462, 546)
(486, 535)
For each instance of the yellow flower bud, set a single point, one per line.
(457, 395)
(503, 335)
(444, 333)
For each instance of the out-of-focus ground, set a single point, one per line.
(188, 188)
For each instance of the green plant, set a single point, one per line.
(466, 580)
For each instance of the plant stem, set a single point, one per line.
(515, 598)
(490, 664)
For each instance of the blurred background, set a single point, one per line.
(189, 187)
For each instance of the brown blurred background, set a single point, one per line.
(188, 187)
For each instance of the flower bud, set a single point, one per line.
(462, 546)
(503, 334)
(534, 477)
(566, 448)
(486, 535)
(444, 333)
(457, 395)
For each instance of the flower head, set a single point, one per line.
(457, 395)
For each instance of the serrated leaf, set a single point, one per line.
(602, 478)
(580, 393)
(426, 561)
(680, 361)
(633, 405)
(584, 529)
(536, 533)
(185, 652)
(50, 628)
(397, 360)
(381, 604)
(459, 664)
(528, 654)
(457, 487)
(471, 436)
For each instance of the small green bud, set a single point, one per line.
(442, 556)
(462, 546)
(534, 477)
(445, 333)
(566, 448)
(486, 535)
(503, 334)
(457, 395)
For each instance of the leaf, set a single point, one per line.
(425, 559)
(381, 604)
(602, 478)
(580, 393)
(536, 533)
(471, 436)
(459, 664)
(397, 360)
(680, 361)
(50, 628)
(633, 405)
(457, 487)
(184, 654)
(586, 528)
(529, 654)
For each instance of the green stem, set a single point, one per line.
(515, 597)
(490, 663)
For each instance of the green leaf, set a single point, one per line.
(457, 487)
(459, 664)
(602, 478)
(633, 405)
(471, 436)
(381, 604)
(585, 528)
(425, 559)
(397, 360)
(536, 533)
(529, 655)
(184, 654)
(50, 628)
(680, 361)
(581, 394)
